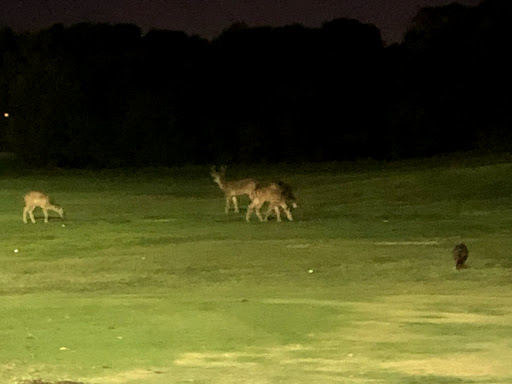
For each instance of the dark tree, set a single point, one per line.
(99, 95)
(451, 93)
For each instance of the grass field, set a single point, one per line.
(148, 281)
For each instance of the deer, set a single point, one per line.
(232, 188)
(278, 195)
(36, 199)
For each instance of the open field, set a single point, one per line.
(147, 281)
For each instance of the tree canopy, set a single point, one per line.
(101, 95)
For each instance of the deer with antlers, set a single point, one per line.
(232, 188)
(36, 199)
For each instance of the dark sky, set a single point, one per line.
(208, 18)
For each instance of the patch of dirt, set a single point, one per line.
(458, 366)
(39, 381)
(429, 242)
(215, 359)
(133, 376)
(322, 303)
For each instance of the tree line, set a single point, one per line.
(101, 95)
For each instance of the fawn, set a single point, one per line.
(38, 199)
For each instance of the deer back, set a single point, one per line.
(35, 198)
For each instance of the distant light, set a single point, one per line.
(6, 114)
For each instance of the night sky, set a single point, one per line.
(208, 18)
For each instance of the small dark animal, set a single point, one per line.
(460, 255)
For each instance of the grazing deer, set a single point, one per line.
(232, 188)
(277, 195)
(38, 199)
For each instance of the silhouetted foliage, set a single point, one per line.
(100, 95)
(454, 84)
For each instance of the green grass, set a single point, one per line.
(147, 281)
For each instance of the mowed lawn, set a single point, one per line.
(148, 281)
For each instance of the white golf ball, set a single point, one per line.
(63, 225)
(16, 250)
(310, 271)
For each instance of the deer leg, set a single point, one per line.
(31, 214)
(226, 209)
(249, 212)
(258, 213)
(287, 212)
(256, 206)
(269, 210)
(235, 204)
(25, 211)
(45, 213)
(278, 214)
